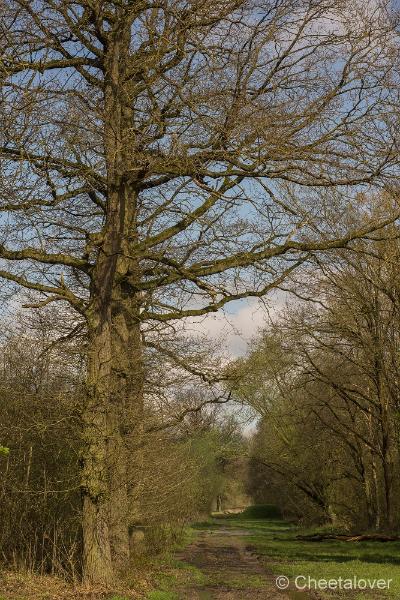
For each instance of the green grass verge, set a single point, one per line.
(170, 573)
(175, 575)
(330, 559)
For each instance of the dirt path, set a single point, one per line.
(231, 571)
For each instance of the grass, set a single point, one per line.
(238, 582)
(330, 559)
(170, 573)
(162, 595)
(174, 574)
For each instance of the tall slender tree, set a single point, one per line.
(160, 159)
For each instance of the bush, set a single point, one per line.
(160, 538)
(262, 511)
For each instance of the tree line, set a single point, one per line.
(324, 378)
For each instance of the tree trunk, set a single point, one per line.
(97, 565)
(361, 462)
(97, 555)
(387, 482)
(385, 457)
(113, 411)
(126, 419)
(370, 501)
(379, 511)
(112, 420)
(118, 497)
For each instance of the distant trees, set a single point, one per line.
(158, 160)
(325, 380)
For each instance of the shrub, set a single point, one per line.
(262, 511)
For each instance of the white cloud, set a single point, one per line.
(233, 328)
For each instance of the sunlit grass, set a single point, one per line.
(329, 559)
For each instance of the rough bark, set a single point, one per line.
(125, 421)
(115, 287)
(97, 565)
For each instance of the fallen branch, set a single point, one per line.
(372, 537)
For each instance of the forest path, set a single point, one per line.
(229, 570)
